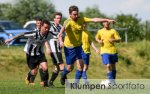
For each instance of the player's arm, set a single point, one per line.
(47, 46)
(100, 41)
(60, 36)
(102, 20)
(95, 48)
(92, 44)
(116, 38)
(10, 39)
(98, 38)
(26, 34)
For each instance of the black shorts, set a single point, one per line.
(56, 58)
(34, 61)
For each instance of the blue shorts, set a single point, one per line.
(109, 58)
(86, 58)
(72, 54)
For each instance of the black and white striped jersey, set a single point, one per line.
(36, 29)
(54, 42)
(35, 42)
(54, 30)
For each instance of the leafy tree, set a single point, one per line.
(25, 10)
(132, 23)
(3, 10)
(146, 29)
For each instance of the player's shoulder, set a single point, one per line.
(81, 18)
(113, 30)
(59, 25)
(52, 24)
(67, 21)
(85, 19)
(88, 19)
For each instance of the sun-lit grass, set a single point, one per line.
(135, 58)
(134, 63)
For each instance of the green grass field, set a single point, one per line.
(134, 63)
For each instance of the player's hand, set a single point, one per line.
(111, 21)
(97, 51)
(61, 44)
(59, 35)
(111, 40)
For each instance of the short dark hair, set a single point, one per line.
(103, 22)
(73, 8)
(57, 13)
(38, 18)
(45, 22)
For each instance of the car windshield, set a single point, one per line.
(31, 26)
(1, 30)
(10, 25)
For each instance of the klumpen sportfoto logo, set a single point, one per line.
(130, 85)
(121, 84)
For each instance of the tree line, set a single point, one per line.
(25, 10)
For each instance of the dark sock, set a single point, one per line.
(41, 74)
(45, 76)
(64, 72)
(31, 77)
(54, 76)
(114, 74)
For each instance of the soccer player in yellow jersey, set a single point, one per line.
(86, 44)
(73, 27)
(107, 37)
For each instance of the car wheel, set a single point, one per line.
(1, 41)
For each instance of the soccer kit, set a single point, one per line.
(56, 54)
(86, 44)
(108, 50)
(73, 39)
(73, 43)
(34, 48)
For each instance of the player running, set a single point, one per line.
(86, 44)
(107, 37)
(34, 51)
(56, 54)
(73, 27)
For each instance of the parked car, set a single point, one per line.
(11, 29)
(3, 36)
(30, 25)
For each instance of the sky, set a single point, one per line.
(108, 7)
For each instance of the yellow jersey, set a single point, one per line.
(105, 35)
(86, 41)
(73, 37)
